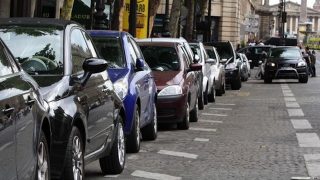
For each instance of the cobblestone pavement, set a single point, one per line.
(263, 131)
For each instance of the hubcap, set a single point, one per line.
(42, 162)
(77, 160)
(155, 120)
(138, 127)
(121, 149)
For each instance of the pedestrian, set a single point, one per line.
(307, 56)
(313, 63)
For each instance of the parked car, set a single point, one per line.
(244, 66)
(130, 72)
(208, 74)
(175, 78)
(86, 114)
(228, 58)
(285, 63)
(218, 69)
(255, 53)
(24, 128)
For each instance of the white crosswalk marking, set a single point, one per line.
(156, 176)
(295, 112)
(203, 129)
(179, 154)
(290, 99)
(308, 140)
(313, 164)
(292, 105)
(201, 139)
(211, 114)
(210, 121)
(301, 124)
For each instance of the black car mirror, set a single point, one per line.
(139, 64)
(195, 67)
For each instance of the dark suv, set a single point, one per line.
(285, 63)
(228, 58)
(255, 54)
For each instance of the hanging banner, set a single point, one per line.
(142, 18)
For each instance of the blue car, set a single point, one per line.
(134, 83)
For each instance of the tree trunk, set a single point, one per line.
(66, 9)
(116, 21)
(175, 17)
(154, 5)
(190, 17)
(203, 8)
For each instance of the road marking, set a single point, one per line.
(292, 105)
(286, 91)
(203, 129)
(201, 139)
(178, 154)
(288, 94)
(300, 178)
(223, 104)
(313, 164)
(210, 121)
(295, 112)
(150, 175)
(133, 156)
(225, 109)
(301, 124)
(308, 140)
(290, 99)
(210, 114)
(111, 176)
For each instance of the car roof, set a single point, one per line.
(35, 21)
(177, 40)
(109, 33)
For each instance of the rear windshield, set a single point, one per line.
(285, 53)
(161, 58)
(225, 51)
(111, 50)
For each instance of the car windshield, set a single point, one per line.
(38, 49)
(161, 58)
(224, 51)
(285, 53)
(196, 51)
(111, 50)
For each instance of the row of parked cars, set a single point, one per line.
(70, 96)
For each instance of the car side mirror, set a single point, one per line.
(196, 58)
(250, 61)
(139, 64)
(211, 61)
(195, 67)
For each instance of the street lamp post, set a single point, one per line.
(99, 16)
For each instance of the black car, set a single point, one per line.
(24, 127)
(85, 113)
(255, 54)
(285, 63)
(228, 58)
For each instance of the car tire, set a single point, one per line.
(115, 161)
(213, 93)
(186, 119)
(43, 160)
(74, 163)
(194, 112)
(267, 79)
(303, 79)
(149, 132)
(236, 84)
(201, 101)
(205, 96)
(133, 139)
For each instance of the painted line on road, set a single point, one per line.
(133, 157)
(308, 139)
(178, 154)
(301, 124)
(210, 114)
(150, 175)
(203, 129)
(290, 99)
(288, 94)
(223, 104)
(300, 178)
(111, 176)
(295, 112)
(225, 109)
(286, 91)
(201, 139)
(313, 164)
(210, 121)
(292, 105)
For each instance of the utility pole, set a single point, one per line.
(166, 18)
(133, 17)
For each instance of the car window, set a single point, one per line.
(285, 53)
(188, 58)
(196, 51)
(211, 53)
(5, 67)
(132, 53)
(38, 49)
(90, 44)
(79, 50)
(110, 49)
(160, 58)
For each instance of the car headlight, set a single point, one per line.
(230, 66)
(301, 63)
(271, 64)
(121, 87)
(170, 90)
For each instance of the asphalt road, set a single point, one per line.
(263, 131)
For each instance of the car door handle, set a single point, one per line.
(8, 111)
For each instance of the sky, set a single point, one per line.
(309, 2)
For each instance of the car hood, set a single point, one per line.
(167, 78)
(284, 61)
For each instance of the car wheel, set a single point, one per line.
(212, 95)
(186, 120)
(303, 79)
(74, 168)
(43, 163)
(115, 161)
(201, 101)
(205, 96)
(133, 139)
(267, 79)
(194, 112)
(150, 131)
(236, 84)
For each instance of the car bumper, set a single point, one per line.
(288, 73)
(231, 75)
(171, 109)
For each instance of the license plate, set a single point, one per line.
(286, 68)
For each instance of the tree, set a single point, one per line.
(175, 17)
(154, 5)
(203, 7)
(66, 9)
(189, 25)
